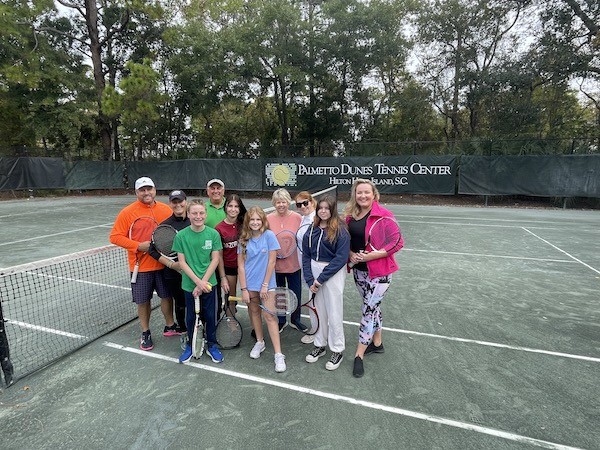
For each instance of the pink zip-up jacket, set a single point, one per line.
(382, 266)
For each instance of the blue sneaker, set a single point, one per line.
(186, 355)
(215, 354)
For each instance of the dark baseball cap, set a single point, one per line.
(178, 194)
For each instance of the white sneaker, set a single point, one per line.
(307, 339)
(280, 362)
(258, 348)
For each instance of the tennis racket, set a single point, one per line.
(162, 238)
(287, 244)
(141, 231)
(384, 234)
(229, 329)
(198, 336)
(314, 316)
(283, 303)
(300, 236)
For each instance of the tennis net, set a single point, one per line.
(55, 306)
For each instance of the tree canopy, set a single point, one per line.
(134, 79)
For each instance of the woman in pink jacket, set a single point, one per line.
(372, 270)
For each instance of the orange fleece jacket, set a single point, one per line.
(119, 234)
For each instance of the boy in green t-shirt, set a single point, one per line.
(198, 248)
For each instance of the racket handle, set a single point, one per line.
(134, 274)
(231, 298)
(197, 304)
(351, 265)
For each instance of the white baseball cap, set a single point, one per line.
(143, 181)
(215, 180)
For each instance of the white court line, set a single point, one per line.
(353, 401)
(46, 329)
(488, 219)
(488, 344)
(20, 214)
(490, 256)
(93, 283)
(477, 342)
(561, 250)
(473, 224)
(55, 234)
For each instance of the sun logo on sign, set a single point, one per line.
(280, 174)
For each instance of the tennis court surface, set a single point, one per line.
(492, 340)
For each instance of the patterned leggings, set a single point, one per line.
(371, 290)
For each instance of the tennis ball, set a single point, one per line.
(281, 175)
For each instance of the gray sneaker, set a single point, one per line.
(315, 354)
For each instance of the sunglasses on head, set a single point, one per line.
(301, 204)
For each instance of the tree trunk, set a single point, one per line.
(91, 19)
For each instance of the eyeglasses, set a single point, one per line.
(301, 204)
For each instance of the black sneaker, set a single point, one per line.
(315, 354)
(372, 348)
(171, 331)
(299, 326)
(282, 326)
(146, 341)
(358, 370)
(335, 361)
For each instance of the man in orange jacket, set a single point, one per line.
(150, 277)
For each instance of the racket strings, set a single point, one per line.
(287, 243)
(229, 333)
(163, 238)
(142, 229)
(384, 235)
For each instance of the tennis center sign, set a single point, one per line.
(410, 174)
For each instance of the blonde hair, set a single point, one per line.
(196, 201)
(246, 233)
(352, 208)
(281, 194)
(305, 195)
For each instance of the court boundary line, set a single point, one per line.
(56, 234)
(561, 250)
(489, 256)
(490, 219)
(488, 343)
(353, 401)
(488, 225)
(45, 329)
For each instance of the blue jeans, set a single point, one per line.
(293, 281)
(208, 312)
